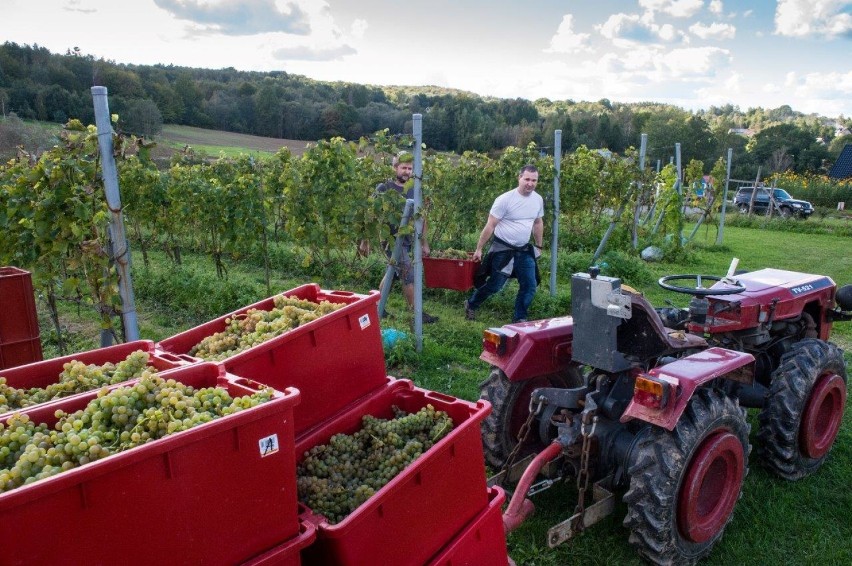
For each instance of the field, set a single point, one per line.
(215, 142)
(776, 522)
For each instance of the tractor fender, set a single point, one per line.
(534, 348)
(684, 376)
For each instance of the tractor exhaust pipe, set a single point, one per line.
(520, 508)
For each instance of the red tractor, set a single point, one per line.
(623, 396)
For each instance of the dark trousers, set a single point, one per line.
(524, 272)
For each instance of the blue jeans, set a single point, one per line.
(524, 272)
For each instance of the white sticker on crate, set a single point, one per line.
(268, 445)
(364, 321)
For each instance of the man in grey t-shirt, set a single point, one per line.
(514, 217)
(403, 166)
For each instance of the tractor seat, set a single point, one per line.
(645, 336)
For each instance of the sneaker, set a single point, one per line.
(428, 318)
(469, 313)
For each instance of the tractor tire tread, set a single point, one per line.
(780, 419)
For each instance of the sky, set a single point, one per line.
(690, 53)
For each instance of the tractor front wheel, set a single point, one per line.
(510, 401)
(804, 409)
(684, 484)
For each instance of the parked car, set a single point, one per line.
(786, 205)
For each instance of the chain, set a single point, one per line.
(583, 474)
(523, 433)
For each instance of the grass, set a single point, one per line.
(230, 144)
(776, 522)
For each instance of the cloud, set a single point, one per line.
(566, 40)
(800, 18)
(822, 85)
(307, 53)
(76, 6)
(240, 17)
(359, 26)
(713, 31)
(716, 7)
(696, 62)
(627, 30)
(674, 8)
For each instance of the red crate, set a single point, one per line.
(456, 274)
(212, 494)
(44, 373)
(289, 553)
(482, 542)
(19, 334)
(332, 360)
(412, 517)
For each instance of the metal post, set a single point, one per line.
(417, 127)
(387, 281)
(643, 148)
(724, 199)
(554, 246)
(679, 171)
(120, 245)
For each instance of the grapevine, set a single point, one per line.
(116, 420)
(255, 326)
(335, 478)
(76, 377)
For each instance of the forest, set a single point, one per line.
(39, 85)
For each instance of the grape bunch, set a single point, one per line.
(255, 326)
(76, 377)
(116, 420)
(450, 253)
(335, 478)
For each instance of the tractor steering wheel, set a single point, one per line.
(699, 290)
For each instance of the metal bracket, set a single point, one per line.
(549, 470)
(619, 305)
(603, 505)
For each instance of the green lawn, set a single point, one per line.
(776, 522)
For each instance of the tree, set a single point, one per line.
(798, 143)
(143, 118)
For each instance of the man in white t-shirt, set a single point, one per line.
(514, 217)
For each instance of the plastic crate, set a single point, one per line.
(46, 372)
(413, 516)
(213, 494)
(289, 553)
(482, 542)
(456, 274)
(19, 333)
(332, 360)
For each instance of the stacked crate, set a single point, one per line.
(439, 505)
(219, 493)
(214, 495)
(19, 334)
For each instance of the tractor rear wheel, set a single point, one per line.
(804, 409)
(510, 401)
(684, 484)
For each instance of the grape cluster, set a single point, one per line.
(76, 377)
(255, 326)
(116, 420)
(450, 253)
(335, 478)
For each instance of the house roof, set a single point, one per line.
(842, 168)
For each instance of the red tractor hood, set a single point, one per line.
(790, 292)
